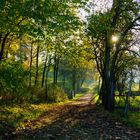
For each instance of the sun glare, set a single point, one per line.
(115, 38)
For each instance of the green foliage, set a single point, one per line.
(56, 94)
(13, 81)
(132, 119)
(16, 115)
(37, 94)
(134, 101)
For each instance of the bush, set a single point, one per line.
(56, 94)
(37, 94)
(13, 82)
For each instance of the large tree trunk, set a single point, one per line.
(109, 78)
(37, 55)
(108, 102)
(108, 95)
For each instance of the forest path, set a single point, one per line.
(77, 120)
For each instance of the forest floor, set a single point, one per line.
(81, 119)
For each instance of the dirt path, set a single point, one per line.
(78, 120)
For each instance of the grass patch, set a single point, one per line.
(78, 95)
(96, 99)
(15, 116)
(133, 118)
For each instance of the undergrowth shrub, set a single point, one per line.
(13, 82)
(37, 94)
(56, 94)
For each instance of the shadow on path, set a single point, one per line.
(78, 120)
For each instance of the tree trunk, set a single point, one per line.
(99, 84)
(128, 94)
(0, 38)
(126, 104)
(46, 84)
(78, 86)
(3, 45)
(139, 85)
(54, 70)
(109, 75)
(44, 69)
(64, 79)
(74, 81)
(46, 80)
(36, 76)
(103, 93)
(111, 96)
(56, 66)
(108, 96)
(31, 59)
(102, 89)
(107, 103)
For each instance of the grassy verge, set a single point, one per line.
(14, 116)
(133, 118)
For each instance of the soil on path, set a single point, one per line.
(77, 120)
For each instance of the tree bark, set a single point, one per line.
(78, 86)
(3, 45)
(46, 78)
(139, 85)
(107, 100)
(31, 59)
(128, 94)
(99, 84)
(108, 78)
(56, 67)
(44, 69)
(103, 93)
(74, 81)
(64, 79)
(36, 76)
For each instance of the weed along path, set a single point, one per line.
(76, 120)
